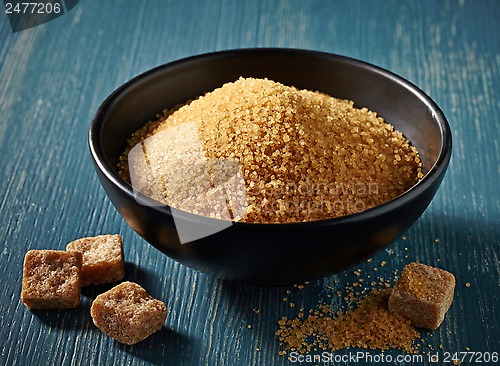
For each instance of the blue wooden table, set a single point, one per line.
(54, 76)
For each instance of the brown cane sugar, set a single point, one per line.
(369, 319)
(423, 294)
(51, 279)
(255, 150)
(368, 325)
(128, 313)
(102, 258)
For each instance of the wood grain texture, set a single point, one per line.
(53, 78)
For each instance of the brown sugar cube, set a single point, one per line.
(128, 313)
(51, 279)
(102, 258)
(423, 294)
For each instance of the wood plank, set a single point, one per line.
(53, 78)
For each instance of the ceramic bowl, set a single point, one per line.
(271, 253)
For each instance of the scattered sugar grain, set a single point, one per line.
(369, 325)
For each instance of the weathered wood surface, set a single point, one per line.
(54, 76)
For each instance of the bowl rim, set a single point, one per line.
(434, 173)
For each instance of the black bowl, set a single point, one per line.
(271, 253)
